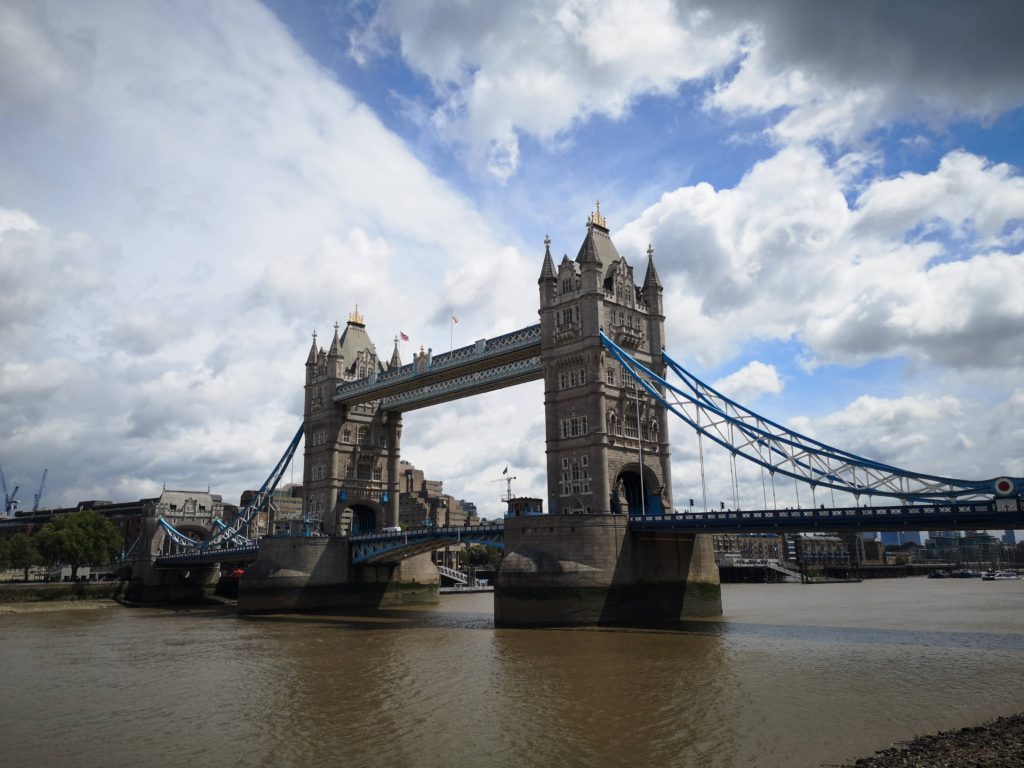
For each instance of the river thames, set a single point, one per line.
(792, 675)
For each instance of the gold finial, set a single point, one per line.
(354, 318)
(597, 219)
(547, 243)
(650, 251)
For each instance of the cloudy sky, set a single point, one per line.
(188, 190)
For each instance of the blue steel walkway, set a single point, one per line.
(975, 515)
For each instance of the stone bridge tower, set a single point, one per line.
(607, 458)
(350, 478)
(602, 427)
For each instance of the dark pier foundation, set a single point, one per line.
(590, 569)
(308, 574)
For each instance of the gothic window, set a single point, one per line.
(566, 284)
(575, 477)
(350, 471)
(577, 377)
(382, 439)
(346, 435)
(609, 375)
(574, 426)
(378, 473)
(364, 435)
(364, 470)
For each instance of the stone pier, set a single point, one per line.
(589, 569)
(302, 574)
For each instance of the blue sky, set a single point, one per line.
(834, 195)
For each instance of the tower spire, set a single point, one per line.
(651, 279)
(335, 342)
(311, 360)
(396, 359)
(547, 272)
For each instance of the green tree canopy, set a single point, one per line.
(5, 554)
(479, 555)
(23, 552)
(79, 538)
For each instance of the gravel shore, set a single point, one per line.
(47, 606)
(995, 744)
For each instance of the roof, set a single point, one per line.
(354, 340)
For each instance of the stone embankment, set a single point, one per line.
(995, 744)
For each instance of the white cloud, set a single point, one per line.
(784, 255)
(219, 197)
(539, 67)
(750, 382)
(542, 67)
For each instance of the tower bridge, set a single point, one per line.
(611, 548)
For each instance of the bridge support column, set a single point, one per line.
(302, 574)
(149, 584)
(590, 569)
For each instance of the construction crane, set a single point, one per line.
(507, 479)
(10, 502)
(39, 493)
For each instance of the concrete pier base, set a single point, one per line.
(589, 569)
(305, 574)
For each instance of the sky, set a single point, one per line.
(189, 190)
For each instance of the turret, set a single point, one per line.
(652, 288)
(396, 358)
(548, 280)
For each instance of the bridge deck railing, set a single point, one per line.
(987, 513)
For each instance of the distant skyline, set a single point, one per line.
(833, 193)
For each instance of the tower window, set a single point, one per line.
(575, 477)
(574, 426)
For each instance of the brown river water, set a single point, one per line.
(792, 675)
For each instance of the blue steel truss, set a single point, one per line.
(784, 451)
(233, 535)
(240, 554)
(392, 546)
(971, 515)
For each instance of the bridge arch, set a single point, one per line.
(365, 516)
(627, 489)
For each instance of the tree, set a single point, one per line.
(5, 554)
(79, 538)
(23, 552)
(479, 555)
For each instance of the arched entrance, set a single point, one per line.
(364, 518)
(628, 488)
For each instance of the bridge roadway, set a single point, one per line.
(971, 515)
(392, 546)
(512, 358)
